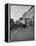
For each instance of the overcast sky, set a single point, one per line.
(18, 11)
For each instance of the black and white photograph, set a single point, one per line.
(19, 20)
(22, 23)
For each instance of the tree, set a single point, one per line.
(12, 23)
(11, 20)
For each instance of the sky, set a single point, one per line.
(18, 11)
